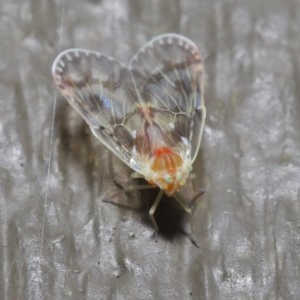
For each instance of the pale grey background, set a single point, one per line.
(59, 240)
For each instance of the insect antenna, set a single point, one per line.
(129, 188)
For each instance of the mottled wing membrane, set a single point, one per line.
(168, 73)
(155, 102)
(101, 89)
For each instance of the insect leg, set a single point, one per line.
(183, 205)
(136, 175)
(153, 209)
(133, 187)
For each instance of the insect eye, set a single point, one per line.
(168, 178)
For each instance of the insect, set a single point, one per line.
(150, 114)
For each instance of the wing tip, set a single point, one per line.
(169, 38)
(63, 57)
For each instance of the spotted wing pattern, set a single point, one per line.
(101, 89)
(158, 95)
(169, 74)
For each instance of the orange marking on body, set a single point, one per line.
(166, 160)
(161, 151)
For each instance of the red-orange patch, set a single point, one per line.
(166, 160)
(161, 151)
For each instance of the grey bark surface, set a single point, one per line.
(62, 234)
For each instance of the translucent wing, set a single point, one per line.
(168, 74)
(102, 90)
(154, 103)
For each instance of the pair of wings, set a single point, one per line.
(161, 90)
